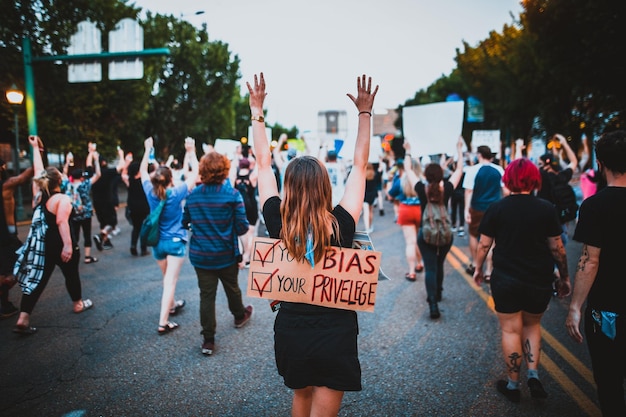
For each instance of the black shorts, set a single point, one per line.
(512, 295)
(317, 349)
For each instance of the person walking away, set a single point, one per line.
(59, 249)
(246, 183)
(337, 174)
(9, 240)
(483, 186)
(522, 227)
(171, 250)
(79, 190)
(216, 215)
(372, 181)
(306, 336)
(601, 230)
(102, 198)
(436, 191)
(138, 207)
(409, 215)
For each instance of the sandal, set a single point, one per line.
(166, 328)
(178, 305)
(419, 268)
(487, 278)
(87, 304)
(410, 277)
(24, 330)
(90, 259)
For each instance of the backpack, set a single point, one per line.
(149, 233)
(245, 189)
(78, 212)
(436, 225)
(564, 199)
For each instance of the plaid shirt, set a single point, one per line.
(29, 266)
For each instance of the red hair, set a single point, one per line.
(521, 175)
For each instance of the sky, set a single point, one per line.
(311, 52)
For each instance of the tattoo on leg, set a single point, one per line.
(514, 362)
(527, 352)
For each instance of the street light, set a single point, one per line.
(15, 98)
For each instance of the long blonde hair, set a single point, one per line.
(407, 188)
(306, 208)
(48, 180)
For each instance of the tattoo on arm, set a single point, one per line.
(584, 258)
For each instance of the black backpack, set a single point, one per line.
(563, 198)
(246, 191)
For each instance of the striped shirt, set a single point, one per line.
(216, 215)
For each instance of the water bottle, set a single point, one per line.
(151, 157)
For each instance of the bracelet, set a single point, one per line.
(365, 112)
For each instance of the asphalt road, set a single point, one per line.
(109, 361)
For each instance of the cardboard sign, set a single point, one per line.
(434, 128)
(345, 278)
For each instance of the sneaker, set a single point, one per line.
(239, 323)
(208, 348)
(9, 311)
(536, 388)
(382, 212)
(116, 231)
(133, 251)
(107, 245)
(512, 395)
(97, 239)
(453, 229)
(470, 269)
(461, 233)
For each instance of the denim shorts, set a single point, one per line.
(169, 247)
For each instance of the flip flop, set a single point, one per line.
(24, 330)
(90, 259)
(177, 307)
(410, 277)
(419, 268)
(87, 304)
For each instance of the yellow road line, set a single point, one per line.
(457, 258)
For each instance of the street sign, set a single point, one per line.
(127, 36)
(87, 40)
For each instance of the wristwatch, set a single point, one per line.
(258, 118)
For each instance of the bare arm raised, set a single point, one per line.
(352, 200)
(266, 180)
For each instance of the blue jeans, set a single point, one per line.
(433, 257)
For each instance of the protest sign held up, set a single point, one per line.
(345, 278)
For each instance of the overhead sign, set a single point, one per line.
(433, 129)
(87, 40)
(344, 278)
(127, 36)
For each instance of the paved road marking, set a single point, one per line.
(457, 259)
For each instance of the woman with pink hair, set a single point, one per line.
(527, 236)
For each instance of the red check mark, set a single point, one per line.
(261, 257)
(267, 281)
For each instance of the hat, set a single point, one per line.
(550, 159)
(292, 153)
(332, 155)
(77, 173)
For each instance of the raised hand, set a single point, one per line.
(257, 94)
(364, 100)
